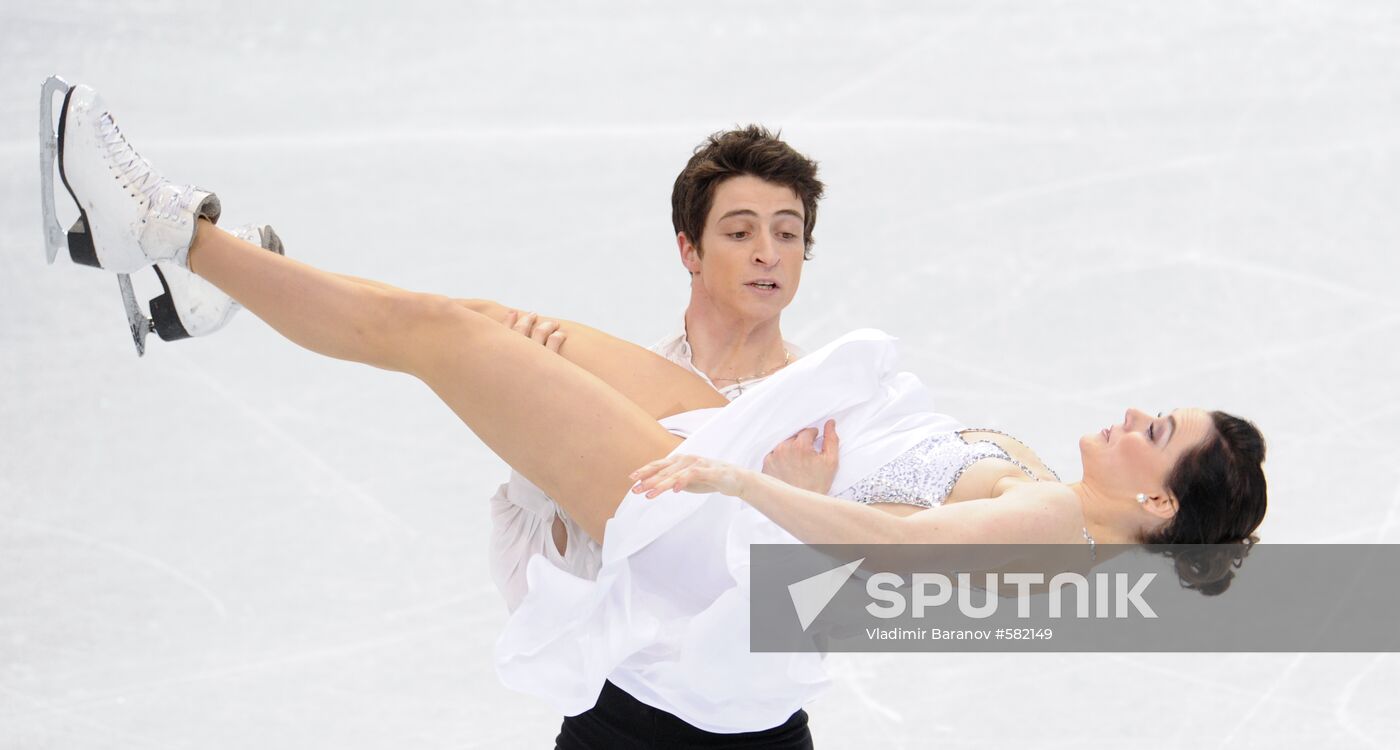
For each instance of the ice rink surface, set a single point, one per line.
(1062, 209)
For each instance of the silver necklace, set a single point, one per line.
(739, 382)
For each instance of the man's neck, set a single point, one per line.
(729, 347)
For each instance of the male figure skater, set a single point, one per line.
(743, 210)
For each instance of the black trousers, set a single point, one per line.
(620, 722)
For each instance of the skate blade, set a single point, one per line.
(48, 157)
(140, 324)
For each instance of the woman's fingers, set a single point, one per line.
(642, 475)
(665, 478)
(686, 474)
(686, 478)
(669, 482)
(654, 473)
(652, 467)
(695, 478)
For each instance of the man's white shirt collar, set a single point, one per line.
(676, 347)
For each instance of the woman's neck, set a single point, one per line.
(1108, 522)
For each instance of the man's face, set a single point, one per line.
(752, 260)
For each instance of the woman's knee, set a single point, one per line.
(490, 308)
(412, 310)
(414, 325)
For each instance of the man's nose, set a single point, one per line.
(764, 253)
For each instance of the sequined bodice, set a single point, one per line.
(926, 473)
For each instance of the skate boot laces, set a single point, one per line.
(137, 172)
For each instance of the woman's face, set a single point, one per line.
(1138, 455)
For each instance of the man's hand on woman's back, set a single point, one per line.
(800, 463)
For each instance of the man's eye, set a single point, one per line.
(738, 235)
(787, 235)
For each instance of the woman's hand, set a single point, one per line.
(798, 462)
(531, 326)
(689, 473)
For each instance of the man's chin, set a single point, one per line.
(756, 311)
(763, 313)
(769, 305)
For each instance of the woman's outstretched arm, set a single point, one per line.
(551, 418)
(1033, 514)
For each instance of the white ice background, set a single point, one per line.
(1062, 208)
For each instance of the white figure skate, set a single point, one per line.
(192, 306)
(130, 216)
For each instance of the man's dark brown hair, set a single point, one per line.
(750, 150)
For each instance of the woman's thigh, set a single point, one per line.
(560, 425)
(659, 386)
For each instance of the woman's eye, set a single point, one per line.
(787, 235)
(738, 235)
(1152, 433)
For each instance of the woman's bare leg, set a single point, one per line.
(625, 372)
(645, 378)
(647, 381)
(561, 426)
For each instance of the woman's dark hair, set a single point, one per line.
(751, 150)
(1221, 499)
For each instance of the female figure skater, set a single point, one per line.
(664, 620)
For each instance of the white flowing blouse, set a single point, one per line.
(667, 618)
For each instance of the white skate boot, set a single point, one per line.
(130, 216)
(192, 306)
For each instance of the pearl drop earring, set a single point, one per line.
(1142, 498)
